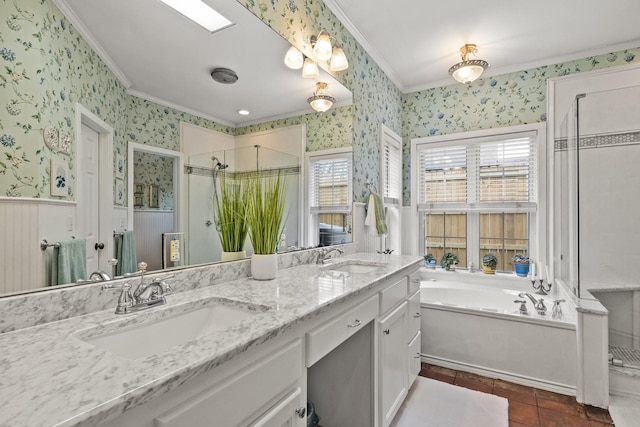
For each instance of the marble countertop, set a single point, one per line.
(49, 376)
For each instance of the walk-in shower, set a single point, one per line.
(597, 206)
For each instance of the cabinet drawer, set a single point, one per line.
(393, 295)
(230, 403)
(414, 282)
(414, 315)
(414, 359)
(325, 338)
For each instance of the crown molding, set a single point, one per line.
(360, 38)
(178, 107)
(88, 37)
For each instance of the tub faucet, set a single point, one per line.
(537, 304)
(322, 255)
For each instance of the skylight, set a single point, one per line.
(200, 13)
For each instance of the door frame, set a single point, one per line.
(106, 182)
(180, 214)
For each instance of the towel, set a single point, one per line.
(69, 262)
(375, 214)
(126, 253)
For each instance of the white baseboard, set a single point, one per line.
(507, 376)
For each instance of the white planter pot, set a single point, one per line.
(264, 267)
(233, 256)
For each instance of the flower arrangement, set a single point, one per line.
(520, 259)
(430, 261)
(489, 263)
(521, 264)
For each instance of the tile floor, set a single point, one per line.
(528, 406)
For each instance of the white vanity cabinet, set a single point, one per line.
(265, 391)
(398, 344)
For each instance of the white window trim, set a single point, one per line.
(391, 138)
(538, 237)
(311, 237)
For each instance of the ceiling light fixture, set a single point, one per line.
(320, 101)
(243, 112)
(323, 50)
(200, 13)
(469, 69)
(310, 69)
(294, 58)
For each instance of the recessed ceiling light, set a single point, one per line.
(243, 112)
(200, 13)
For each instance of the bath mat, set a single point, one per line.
(432, 403)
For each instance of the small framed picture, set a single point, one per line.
(59, 178)
(138, 202)
(120, 166)
(138, 188)
(119, 192)
(154, 196)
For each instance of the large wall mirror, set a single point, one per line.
(136, 81)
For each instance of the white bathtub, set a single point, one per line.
(477, 327)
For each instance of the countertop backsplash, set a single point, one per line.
(26, 310)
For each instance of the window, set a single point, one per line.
(391, 171)
(330, 197)
(477, 194)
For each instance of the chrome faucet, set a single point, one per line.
(96, 276)
(537, 304)
(322, 255)
(145, 295)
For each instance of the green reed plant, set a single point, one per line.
(265, 212)
(232, 202)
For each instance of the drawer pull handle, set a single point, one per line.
(354, 324)
(387, 331)
(417, 315)
(301, 411)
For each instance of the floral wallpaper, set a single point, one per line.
(45, 68)
(332, 129)
(157, 170)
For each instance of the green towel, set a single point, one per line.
(381, 224)
(126, 253)
(69, 262)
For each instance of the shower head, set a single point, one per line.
(218, 164)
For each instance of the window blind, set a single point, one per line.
(485, 175)
(331, 185)
(443, 175)
(506, 171)
(392, 171)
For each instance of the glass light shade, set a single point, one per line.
(310, 69)
(468, 71)
(321, 103)
(322, 49)
(294, 59)
(338, 60)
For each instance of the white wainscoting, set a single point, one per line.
(148, 226)
(25, 223)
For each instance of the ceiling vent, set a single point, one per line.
(224, 75)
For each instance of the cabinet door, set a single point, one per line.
(393, 363)
(414, 315)
(289, 412)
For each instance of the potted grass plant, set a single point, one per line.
(265, 216)
(231, 218)
(489, 263)
(521, 264)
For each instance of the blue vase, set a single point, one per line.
(430, 264)
(522, 270)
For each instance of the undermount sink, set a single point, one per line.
(354, 266)
(156, 335)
